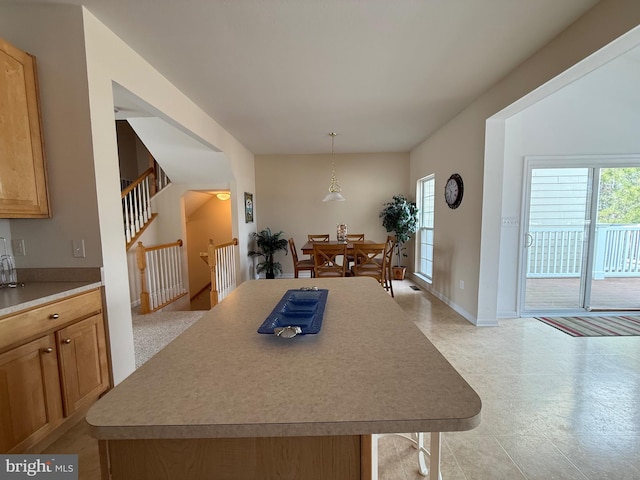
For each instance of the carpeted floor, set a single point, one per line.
(596, 326)
(154, 331)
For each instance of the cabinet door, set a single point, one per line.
(83, 362)
(30, 401)
(23, 187)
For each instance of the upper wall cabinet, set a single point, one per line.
(23, 182)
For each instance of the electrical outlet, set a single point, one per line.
(78, 248)
(461, 284)
(17, 245)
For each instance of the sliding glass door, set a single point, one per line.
(581, 239)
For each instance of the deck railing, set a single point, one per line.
(221, 259)
(558, 251)
(160, 275)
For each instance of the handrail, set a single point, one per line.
(222, 265)
(138, 181)
(160, 275)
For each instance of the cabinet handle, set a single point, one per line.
(67, 341)
(54, 316)
(47, 350)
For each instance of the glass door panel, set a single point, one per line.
(558, 221)
(615, 281)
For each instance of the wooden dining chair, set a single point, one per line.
(300, 265)
(353, 237)
(388, 258)
(327, 259)
(369, 261)
(322, 237)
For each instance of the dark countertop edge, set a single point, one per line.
(183, 432)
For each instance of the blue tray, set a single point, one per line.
(298, 308)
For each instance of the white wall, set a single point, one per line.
(597, 115)
(468, 240)
(78, 61)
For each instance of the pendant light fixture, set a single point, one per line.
(334, 194)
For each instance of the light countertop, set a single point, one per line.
(368, 370)
(34, 294)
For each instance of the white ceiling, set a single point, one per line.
(280, 75)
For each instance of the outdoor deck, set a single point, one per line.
(610, 293)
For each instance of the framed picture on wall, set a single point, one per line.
(248, 207)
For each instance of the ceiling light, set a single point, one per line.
(223, 196)
(334, 194)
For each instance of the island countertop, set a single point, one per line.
(368, 370)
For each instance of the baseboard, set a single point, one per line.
(447, 301)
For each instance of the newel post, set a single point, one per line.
(141, 260)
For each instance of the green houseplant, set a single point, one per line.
(401, 217)
(268, 244)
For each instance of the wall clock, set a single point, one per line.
(453, 190)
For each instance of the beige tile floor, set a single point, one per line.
(554, 406)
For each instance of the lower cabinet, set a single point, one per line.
(48, 379)
(30, 400)
(83, 362)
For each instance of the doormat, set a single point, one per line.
(596, 326)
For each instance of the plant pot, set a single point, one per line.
(398, 272)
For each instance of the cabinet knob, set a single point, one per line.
(67, 341)
(48, 350)
(54, 316)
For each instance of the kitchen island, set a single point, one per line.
(222, 401)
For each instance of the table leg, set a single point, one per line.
(434, 457)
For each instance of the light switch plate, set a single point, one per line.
(17, 245)
(78, 248)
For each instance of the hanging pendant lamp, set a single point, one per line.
(334, 194)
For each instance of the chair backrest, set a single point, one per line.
(294, 253)
(355, 237)
(369, 259)
(326, 261)
(323, 237)
(388, 251)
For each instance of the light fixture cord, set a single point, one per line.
(335, 186)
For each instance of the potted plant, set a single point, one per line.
(268, 244)
(401, 217)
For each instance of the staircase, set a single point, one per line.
(136, 201)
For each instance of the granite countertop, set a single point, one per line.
(368, 370)
(33, 294)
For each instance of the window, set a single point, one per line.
(426, 196)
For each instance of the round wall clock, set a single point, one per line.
(453, 190)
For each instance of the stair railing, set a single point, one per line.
(160, 275)
(222, 265)
(136, 206)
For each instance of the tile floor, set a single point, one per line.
(554, 406)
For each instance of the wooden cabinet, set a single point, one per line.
(23, 185)
(30, 402)
(53, 366)
(83, 362)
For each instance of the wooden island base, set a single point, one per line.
(267, 458)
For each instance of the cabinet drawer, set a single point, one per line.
(38, 320)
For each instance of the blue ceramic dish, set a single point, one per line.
(298, 308)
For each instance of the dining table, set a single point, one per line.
(307, 248)
(230, 399)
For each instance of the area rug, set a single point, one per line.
(596, 326)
